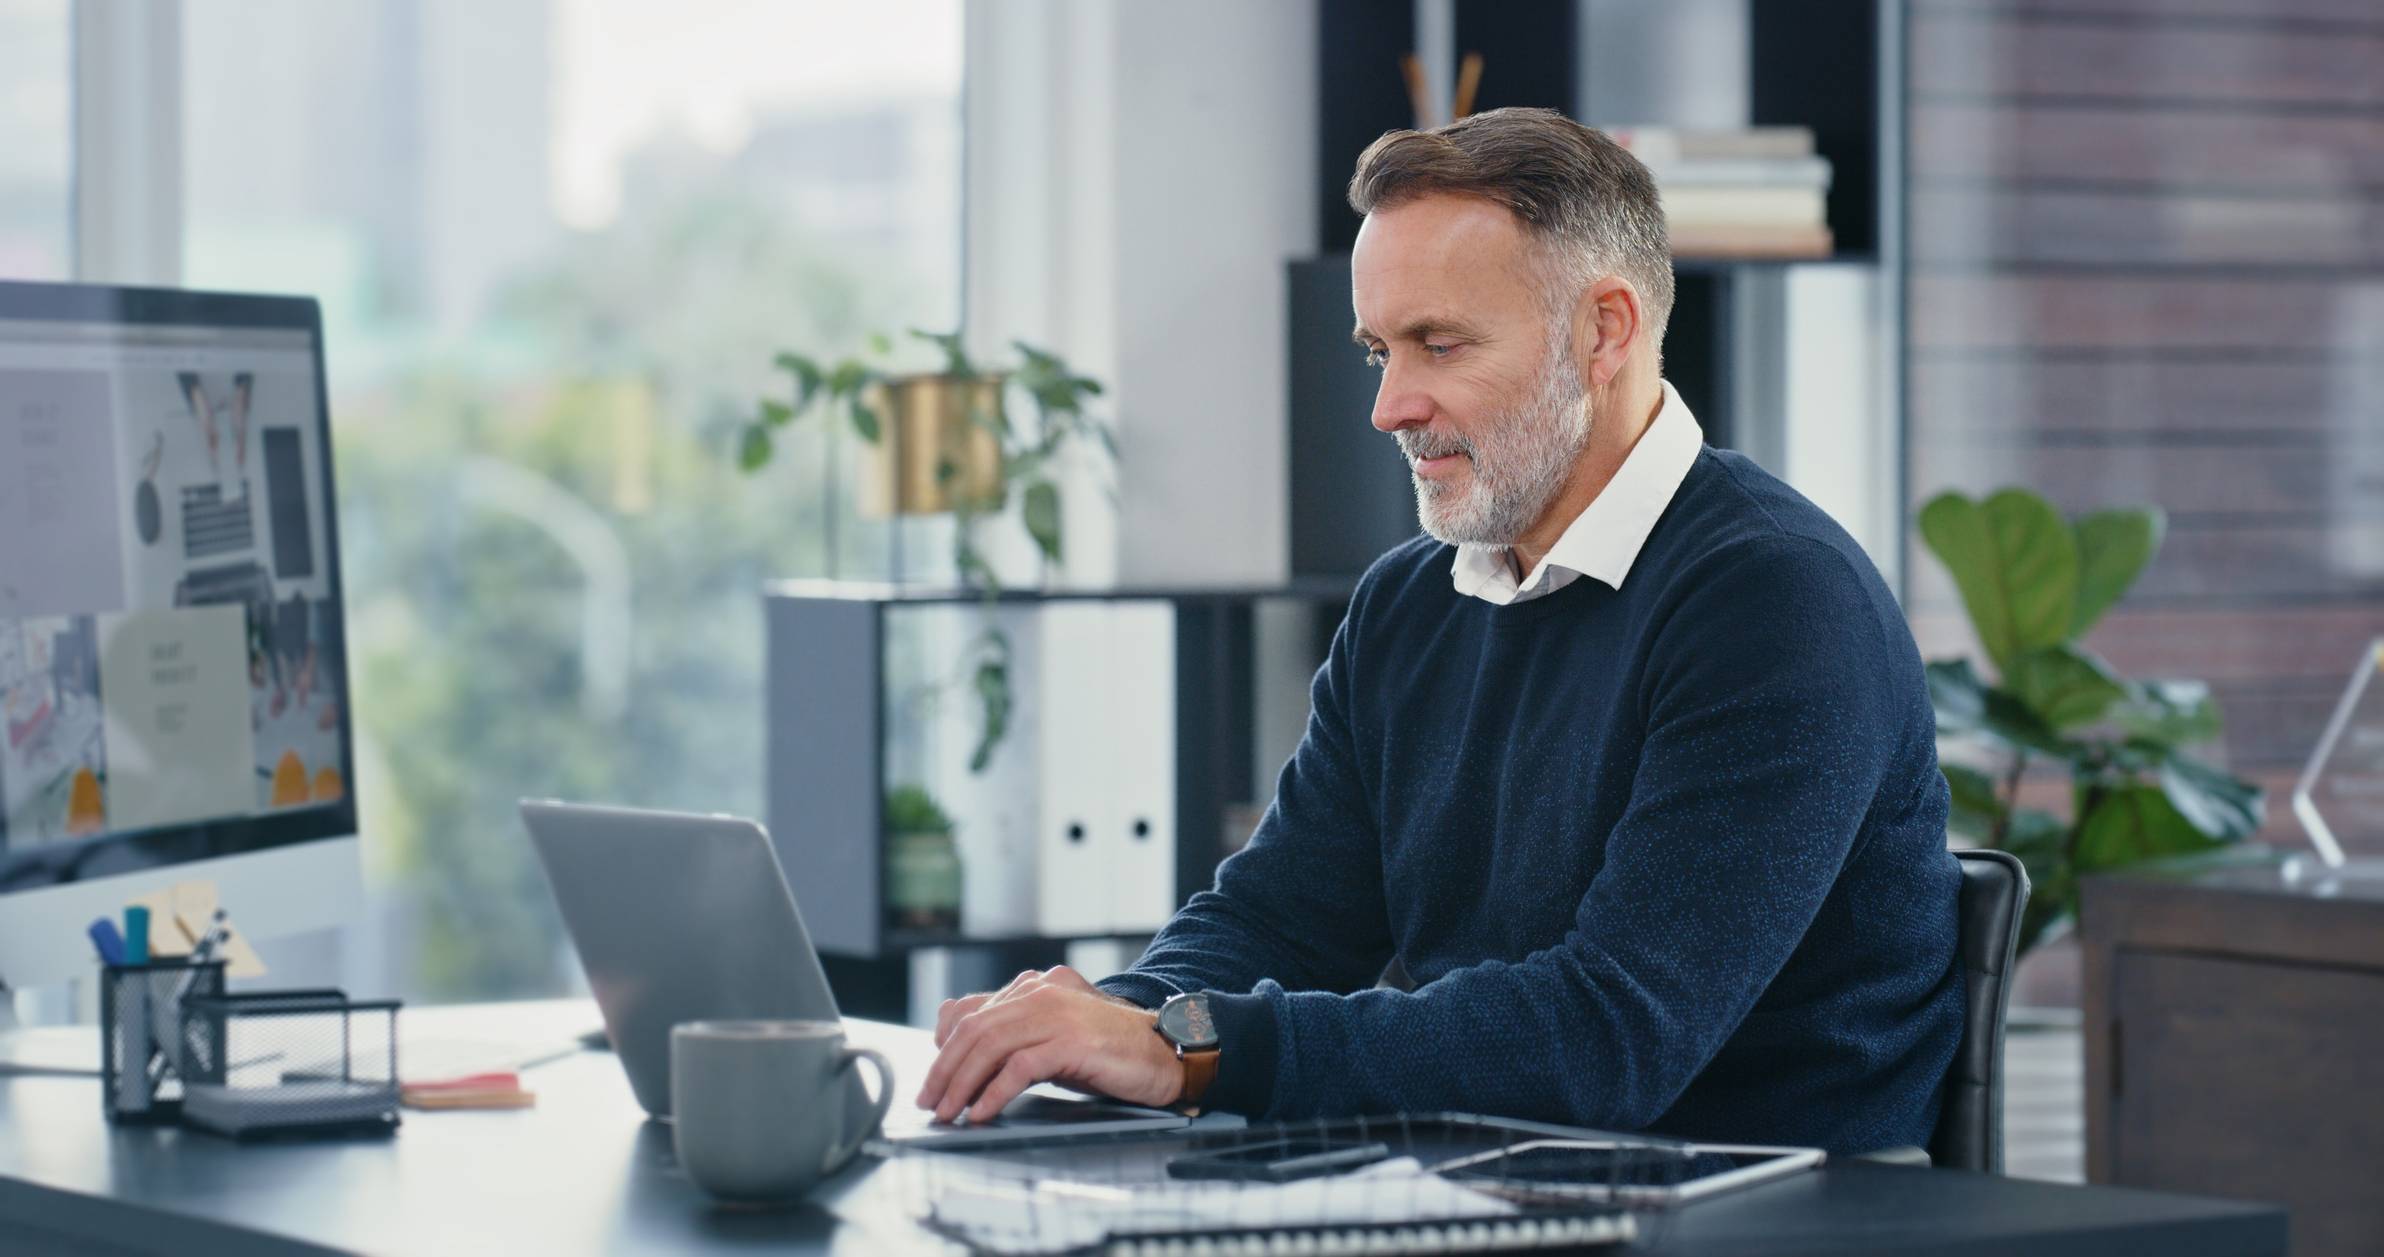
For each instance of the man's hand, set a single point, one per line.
(1047, 1025)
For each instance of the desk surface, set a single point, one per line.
(584, 1172)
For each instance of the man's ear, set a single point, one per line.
(1606, 328)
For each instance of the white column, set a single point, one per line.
(128, 141)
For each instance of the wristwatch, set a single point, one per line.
(1184, 1022)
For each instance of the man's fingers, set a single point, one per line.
(954, 1045)
(1023, 1070)
(952, 1010)
(986, 1055)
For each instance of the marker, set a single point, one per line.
(108, 941)
(136, 935)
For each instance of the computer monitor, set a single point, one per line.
(173, 685)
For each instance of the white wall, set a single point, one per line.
(1138, 175)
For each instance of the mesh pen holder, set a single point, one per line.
(289, 1062)
(143, 1019)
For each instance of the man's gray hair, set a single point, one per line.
(1585, 197)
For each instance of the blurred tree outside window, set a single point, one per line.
(557, 245)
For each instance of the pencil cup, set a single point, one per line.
(143, 1029)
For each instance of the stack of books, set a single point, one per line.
(1756, 192)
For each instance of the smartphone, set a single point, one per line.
(1278, 1160)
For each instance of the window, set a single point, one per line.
(557, 246)
(2145, 270)
(36, 139)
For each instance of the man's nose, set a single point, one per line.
(1397, 406)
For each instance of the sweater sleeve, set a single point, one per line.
(1770, 721)
(1302, 903)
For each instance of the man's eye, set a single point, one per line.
(1438, 351)
(1376, 357)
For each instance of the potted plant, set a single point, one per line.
(923, 875)
(943, 443)
(2033, 583)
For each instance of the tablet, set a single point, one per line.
(1623, 1172)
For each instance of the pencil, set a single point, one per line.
(1412, 68)
(1469, 80)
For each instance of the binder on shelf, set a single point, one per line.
(1139, 829)
(1073, 887)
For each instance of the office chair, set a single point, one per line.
(1969, 1133)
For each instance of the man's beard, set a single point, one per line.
(1518, 466)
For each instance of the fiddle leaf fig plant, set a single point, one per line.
(1023, 468)
(2033, 584)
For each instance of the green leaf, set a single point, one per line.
(2065, 686)
(2040, 839)
(2132, 824)
(946, 471)
(2219, 806)
(1039, 361)
(848, 377)
(956, 359)
(2168, 714)
(1041, 511)
(2113, 549)
(776, 413)
(865, 423)
(1967, 705)
(2015, 562)
(806, 373)
(754, 451)
(993, 698)
(911, 810)
(1975, 811)
(880, 344)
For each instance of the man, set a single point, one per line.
(1629, 764)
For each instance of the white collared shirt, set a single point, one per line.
(1605, 538)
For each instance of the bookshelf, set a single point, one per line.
(1813, 65)
(840, 733)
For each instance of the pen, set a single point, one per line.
(218, 930)
(108, 941)
(136, 935)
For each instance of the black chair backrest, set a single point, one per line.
(1969, 1132)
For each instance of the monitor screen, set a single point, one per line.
(172, 679)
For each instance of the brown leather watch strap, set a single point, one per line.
(1200, 1069)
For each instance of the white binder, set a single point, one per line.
(1139, 829)
(1105, 852)
(1072, 878)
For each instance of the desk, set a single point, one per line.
(2233, 1016)
(585, 1173)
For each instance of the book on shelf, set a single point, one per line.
(1743, 205)
(1769, 172)
(1733, 240)
(1676, 144)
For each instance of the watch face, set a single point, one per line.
(1185, 1022)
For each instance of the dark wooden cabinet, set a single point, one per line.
(2235, 1040)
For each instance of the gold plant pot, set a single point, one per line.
(939, 445)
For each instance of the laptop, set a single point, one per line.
(682, 917)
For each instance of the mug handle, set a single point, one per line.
(885, 1100)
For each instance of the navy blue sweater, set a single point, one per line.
(1669, 857)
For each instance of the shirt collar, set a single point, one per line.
(1604, 540)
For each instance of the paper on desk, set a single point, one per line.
(1013, 1216)
(181, 914)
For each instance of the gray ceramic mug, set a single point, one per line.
(762, 1110)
